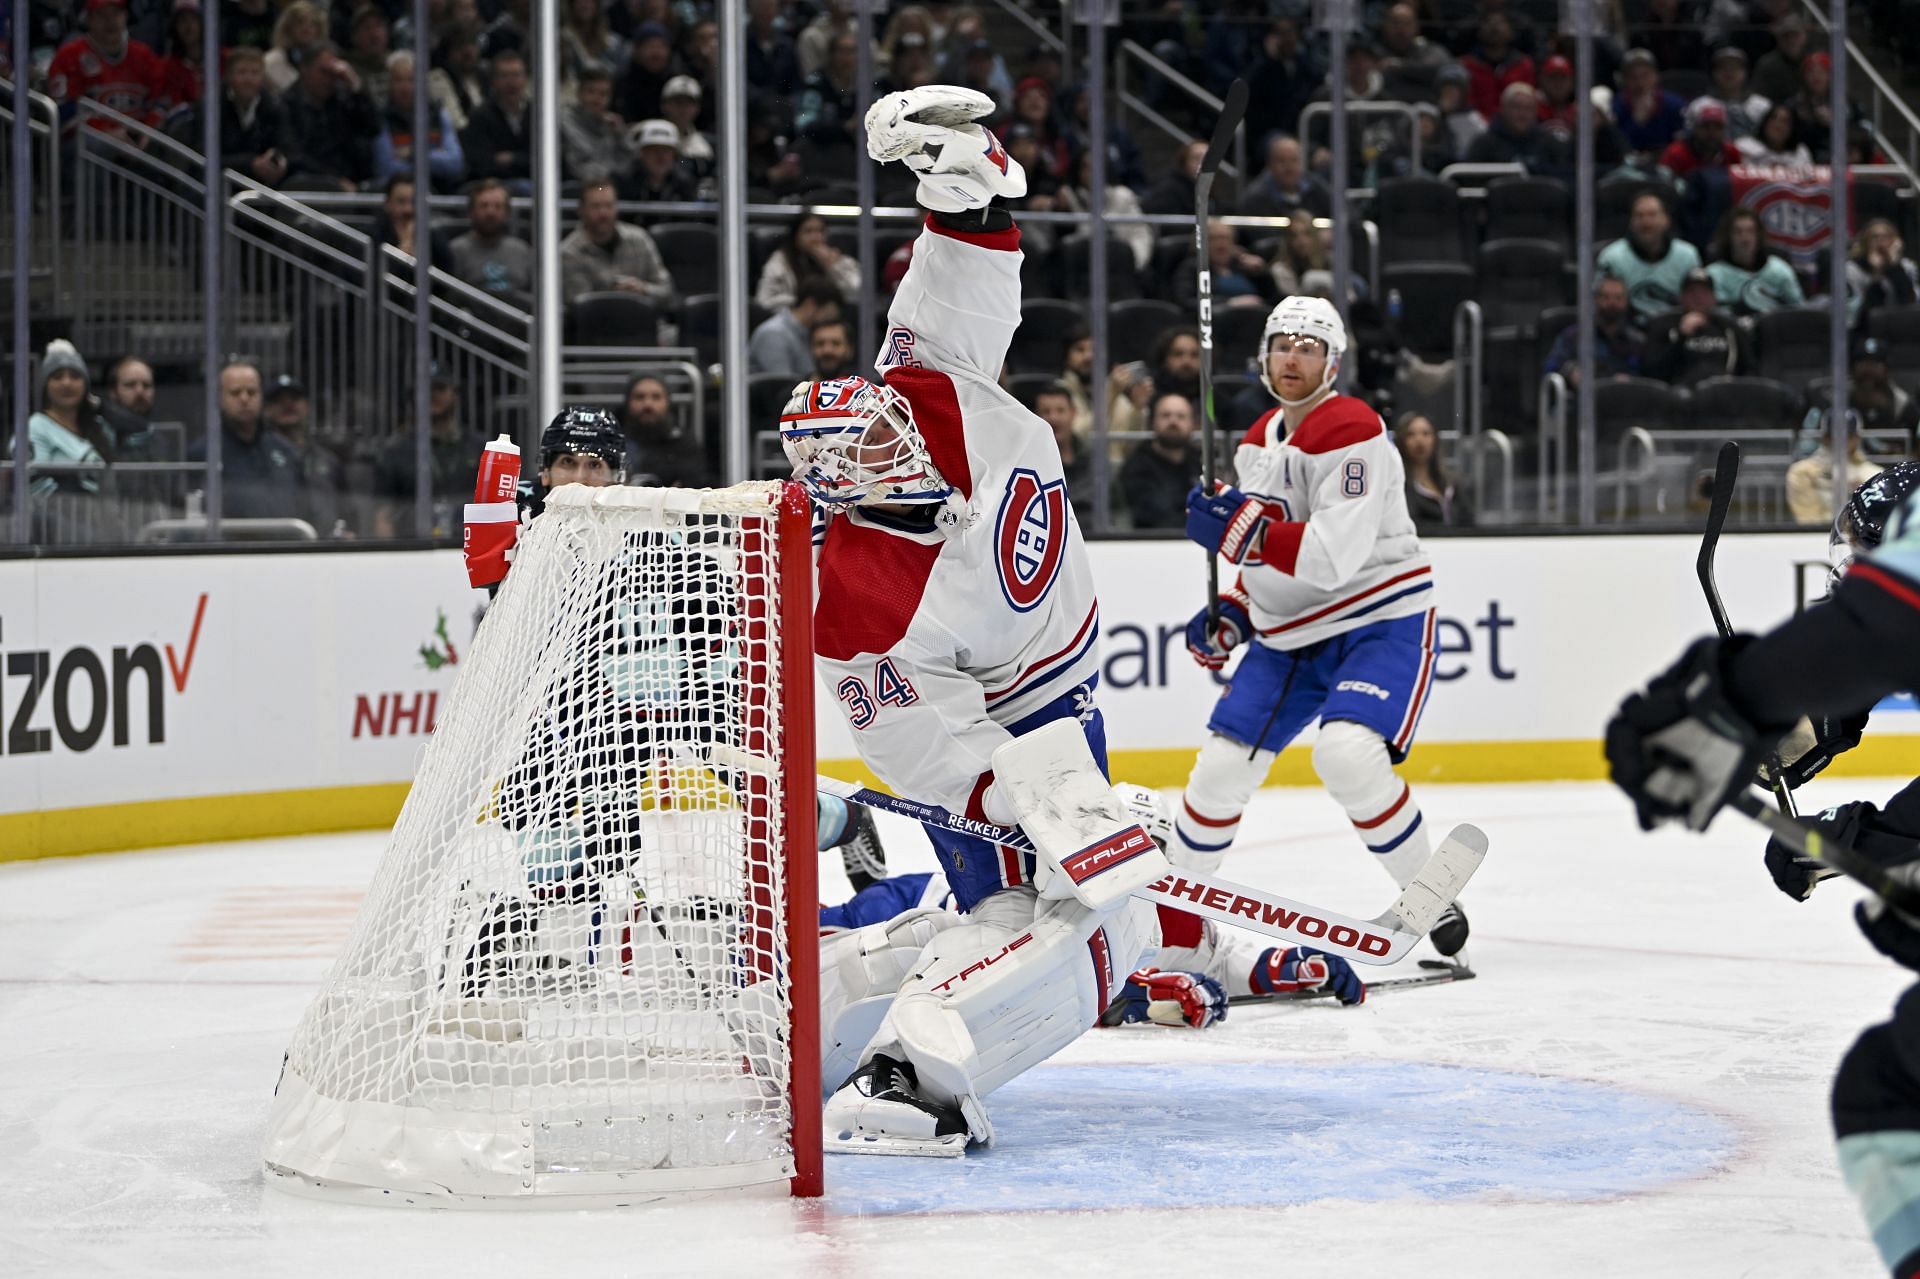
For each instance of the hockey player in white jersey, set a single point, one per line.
(955, 624)
(1333, 603)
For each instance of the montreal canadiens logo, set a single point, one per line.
(1030, 538)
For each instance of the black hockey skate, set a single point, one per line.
(879, 1111)
(860, 851)
(1449, 932)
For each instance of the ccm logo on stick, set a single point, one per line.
(1269, 913)
(981, 965)
(1108, 853)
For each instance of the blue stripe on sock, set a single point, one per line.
(1399, 839)
(1205, 848)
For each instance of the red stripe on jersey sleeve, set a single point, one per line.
(1281, 547)
(977, 800)
(936, 411)
(1339, 423)
(1887, 582)
(1007, 241)
(870, 588)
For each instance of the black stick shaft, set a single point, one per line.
(1231, 112)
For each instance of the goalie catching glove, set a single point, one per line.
(933, 130)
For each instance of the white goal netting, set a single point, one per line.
(571, 975)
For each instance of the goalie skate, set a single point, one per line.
(880, 1112)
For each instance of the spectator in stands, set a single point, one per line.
(393, 149)
(1670, 31)
(181, 79)
(1174, 193)
(1879, 272)
(489, 256)
(1810, 480)
(454, 460)
(771, 163)
(68, 428)
(813, 47)
(805, 255)
(657, 176)
(300, 24)
(1618, 346)
(1175, 361)
(1494, 63)
(498, 138)
(699, 58)
(649, 67)
(286, 415)
(593, 137)
(1696, 342)
(1371, 136)
(1121, 202)
(395, 224)
(604, 254)
(1749, 278)
(1053, 404)
(1704, 145)
(1516, 136)
(784, 341)
(1285, 186)
(587, 43)
(773, 66)
(1462, 123)
(1557, 104)
(1812, 110)
(910, 64)
(1240, 276)
(105, 65)
(1130, 394)
(331, 124)
(828, 113)
(455, 79)
(253, 126)
(831, 344)
(1776, 76)
(1123, 153)
(910, 23)
(1648, 116)
(369, 45)
(127, 408)
(1280, 82)
(1649, 258)
(247, 22)
(1304, 263)
(1159, 472)
(1409, 62)
(1076, 375)
(660, 452)
(680, 103)
(1744, 107)
(1033, 107)
(977, 65)
(1776, 141)
(1886, 413)
(1435, 498)
(508, 31)
(261, 477)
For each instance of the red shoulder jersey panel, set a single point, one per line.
(870, 587)
(1270, 421)
(1340, 422)
(936, 410)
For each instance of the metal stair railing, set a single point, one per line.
(1129, 101)
(43, 128)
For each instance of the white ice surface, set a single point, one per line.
(1635, 1086)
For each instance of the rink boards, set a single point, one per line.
(148, 701)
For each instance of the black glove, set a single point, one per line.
(1681, 749)
(1894, 933)
(1832, 736)
(1795, 875)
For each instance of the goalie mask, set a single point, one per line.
(1304, 317)
(853, 442)
(1861, 524)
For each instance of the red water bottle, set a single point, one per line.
(499, 474)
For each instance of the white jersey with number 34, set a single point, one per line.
(933, 640)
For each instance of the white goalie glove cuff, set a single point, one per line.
(933, 131)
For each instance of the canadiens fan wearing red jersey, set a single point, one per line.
(956, 625)
(1333, 605)
(107, 66)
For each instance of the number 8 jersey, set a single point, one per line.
(1345, 553)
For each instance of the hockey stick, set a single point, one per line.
(1384, 939)
(1443, 974)
(1726, 474)
(1811, 844)
(1231, 113)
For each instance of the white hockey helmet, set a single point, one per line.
(1302, 316)
(852, 441)
(1148, 808)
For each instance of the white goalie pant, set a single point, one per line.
(989, 994)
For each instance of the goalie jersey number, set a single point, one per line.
(1030, 538)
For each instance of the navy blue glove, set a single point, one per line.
(1211, 646)
(1230, 523)
(1282, 969)
(1168, 999)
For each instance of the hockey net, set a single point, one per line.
(587, 966)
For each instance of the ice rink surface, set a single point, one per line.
(1636, 1085)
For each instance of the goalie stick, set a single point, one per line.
(1384, 939)
(1231, 113)
(1440, 974)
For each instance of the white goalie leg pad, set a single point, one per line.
(1353, 765)
(1088, 846)
(859, 973)
(995, 998)
(1208, 817)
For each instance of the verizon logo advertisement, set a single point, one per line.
(77, 699)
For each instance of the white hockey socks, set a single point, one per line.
(1208, 819)
(1353, 765)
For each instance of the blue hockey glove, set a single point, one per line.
(1288, 968)
(1211, 647)
(1230, 523)
(1168, 999)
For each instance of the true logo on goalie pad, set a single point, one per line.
(1030, 538)
(1115, 850)
(981, 965)
(1272, 913)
